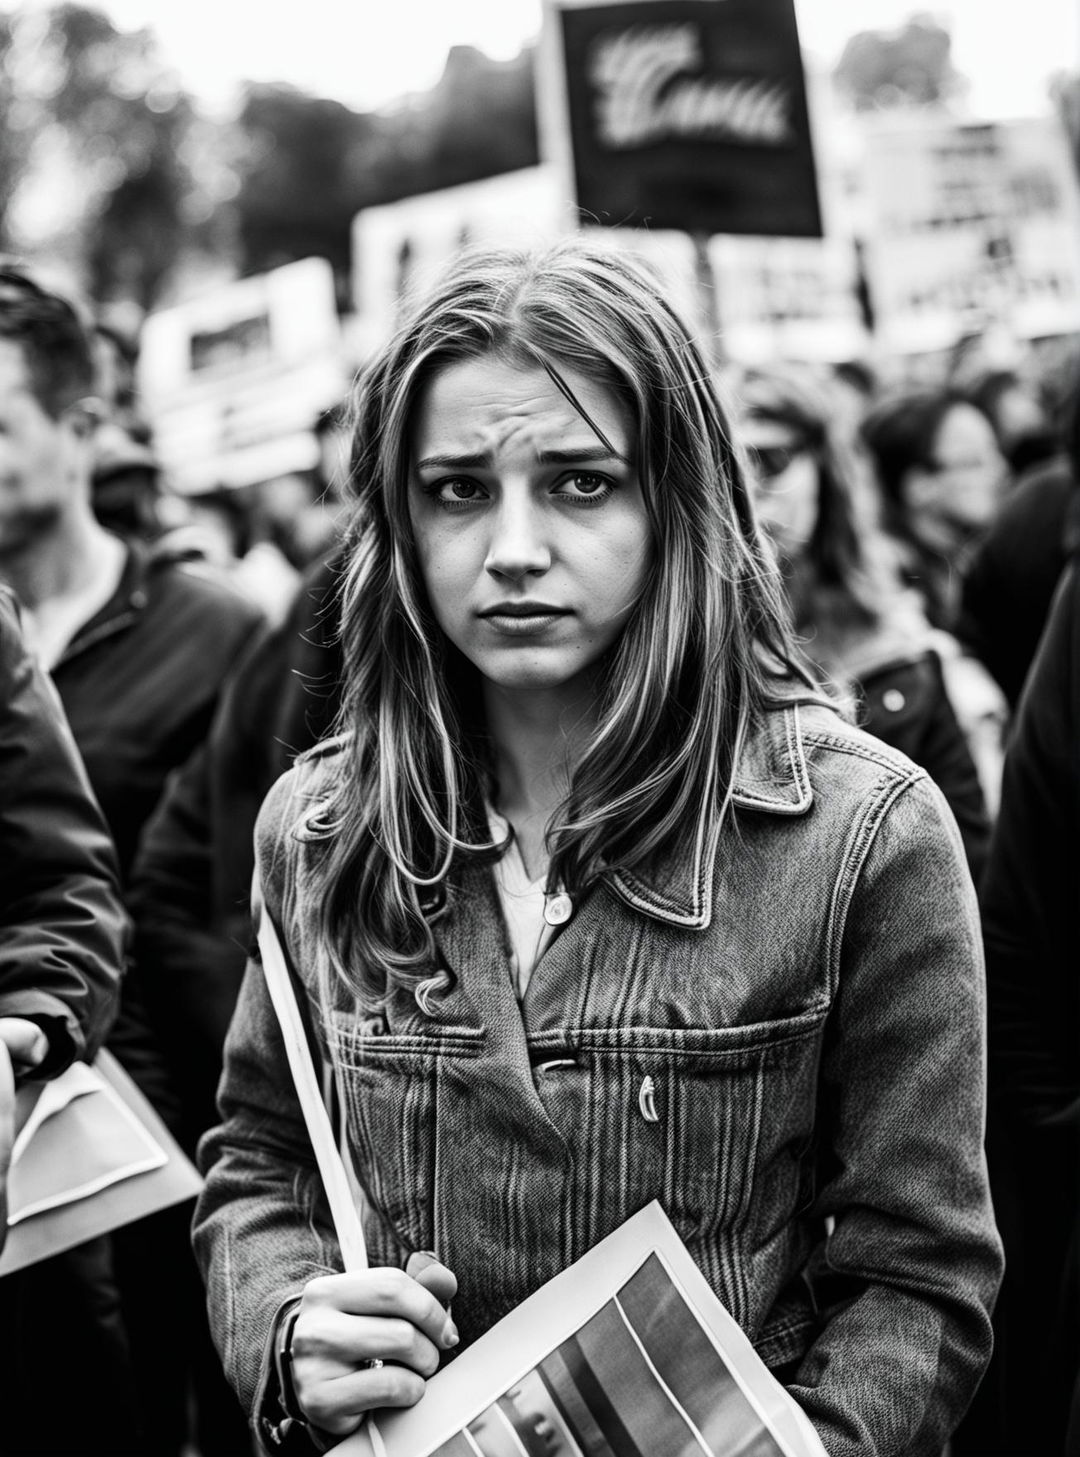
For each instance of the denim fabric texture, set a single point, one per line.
(780, 1037)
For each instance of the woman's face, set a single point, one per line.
(959, 491)
(533, 538)
(783, 481)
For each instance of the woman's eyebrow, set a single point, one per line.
(581, 455)
(575, 455)
(453, 462)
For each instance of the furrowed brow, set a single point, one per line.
(453, 462)
(576, 455)
(581, 455)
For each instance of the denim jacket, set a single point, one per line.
(779, 1035)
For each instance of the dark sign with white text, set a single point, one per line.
(690, 114)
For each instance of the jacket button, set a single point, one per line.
(893, 700)
(558, 909)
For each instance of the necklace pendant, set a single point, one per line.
(558, 909)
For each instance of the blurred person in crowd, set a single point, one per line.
(138, 646)
(618, 808)
(857, 386)
(219, 525)
(223, 528)
(191, 881)
(62, 938)
(126, 484)
(296, 515)
(116, 354)
(1031, 923)
(1022, 425)
(859, 623)
(942, 478)
(1012, 577)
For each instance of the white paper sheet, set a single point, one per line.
(628, 1350)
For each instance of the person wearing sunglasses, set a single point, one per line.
(858, 622)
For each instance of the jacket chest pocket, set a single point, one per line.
(711, 1122)
(390, 1089)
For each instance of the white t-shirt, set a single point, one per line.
(523, 902)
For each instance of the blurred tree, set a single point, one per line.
(86, 100)
(911, 66)
(12, 141)
(1065, 94)
(478, 121)
(307, 166)
(296, 196)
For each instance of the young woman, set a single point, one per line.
(857, 620)
(597, 901)
(942, 479)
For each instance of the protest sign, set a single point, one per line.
(687, 114)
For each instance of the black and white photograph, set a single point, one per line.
(642, 1376)
(539, 728)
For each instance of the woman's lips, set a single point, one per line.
(527, 622)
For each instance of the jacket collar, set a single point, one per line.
(771, 778)
(122, 607)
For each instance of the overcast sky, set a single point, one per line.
(366, 53)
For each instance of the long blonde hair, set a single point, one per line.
(701, 654)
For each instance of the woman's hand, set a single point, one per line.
(398, 1317)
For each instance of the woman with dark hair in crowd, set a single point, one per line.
(858, 622)
(942, 478)
(590, 831)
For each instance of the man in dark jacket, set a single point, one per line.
(62, 937)
(1011, 579)
(62, 940)
(1032, 934)
(138, 645)
(190, 883)
(61, 926)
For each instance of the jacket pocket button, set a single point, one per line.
(647, 1100)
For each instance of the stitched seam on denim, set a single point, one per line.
(229, 1354)
(860, 750)
(857, 850)
(408, 1043)
(652, 1038)
(670, 912)
(781, 1343)
(742, 1214)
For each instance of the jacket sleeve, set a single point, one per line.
(912, 1253)
(63, 931)
(926, 728)
(1031, 928)
(261, 1228)
(191, 879)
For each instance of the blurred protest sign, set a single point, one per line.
(778, 296)
(398, 247)
(970, 225)
(233, 381)
(687, 114)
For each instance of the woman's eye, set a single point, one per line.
(455, 491)
(584, 486)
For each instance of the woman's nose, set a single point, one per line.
(518, 546)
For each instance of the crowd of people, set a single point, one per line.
(589, 715)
